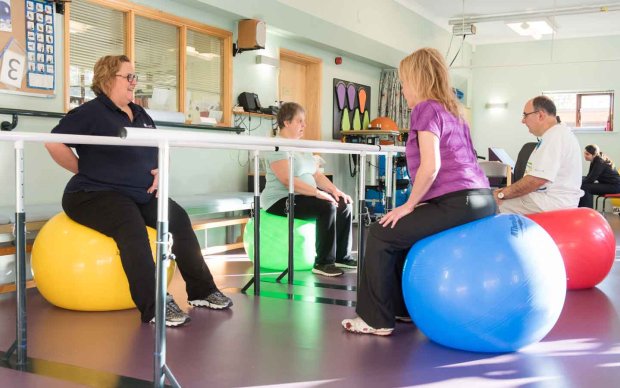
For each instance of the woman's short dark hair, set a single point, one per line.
(287, 112)
(105, 71)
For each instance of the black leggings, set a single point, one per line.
(119, 217)
(333, 225)
(379, 297)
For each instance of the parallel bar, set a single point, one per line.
(256, 222)
(389, 189)
(163, 252)
(291, 217)
(188, 138)
(149, 138)
(20, 258)
(362, 214)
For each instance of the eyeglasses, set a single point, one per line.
(529, 113)
(129, 77)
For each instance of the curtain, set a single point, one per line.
(392, 103)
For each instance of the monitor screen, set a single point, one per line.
(500, 155)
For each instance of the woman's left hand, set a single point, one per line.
(396, 214)
(337, 194)
(153, 187)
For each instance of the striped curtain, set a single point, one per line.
(392, 103)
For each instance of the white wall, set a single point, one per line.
(516, 72)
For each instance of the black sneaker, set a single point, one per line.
(346, 263)
(327, 270)
(215, 301)
(174, 315)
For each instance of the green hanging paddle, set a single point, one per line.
(346, 122)
(357, 123)
(366, 121)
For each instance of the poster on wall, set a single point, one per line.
(5, 16)
(40, 44)
(27, 47)
(351, 107)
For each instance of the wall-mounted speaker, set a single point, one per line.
(251, 34)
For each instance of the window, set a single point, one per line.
(109, 39)
(204, 57)
(157, 64)
(198, 76)
(585, 111)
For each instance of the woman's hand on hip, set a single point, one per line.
(392, 217)
(153, 187)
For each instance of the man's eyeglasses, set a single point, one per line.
(129, 77)
(529, 113)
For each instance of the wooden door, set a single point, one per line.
(300, 81)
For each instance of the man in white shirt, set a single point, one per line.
(552, 177)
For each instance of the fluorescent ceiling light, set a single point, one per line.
(192, 52)
(535, 29)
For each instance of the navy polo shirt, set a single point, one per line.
(104, 167)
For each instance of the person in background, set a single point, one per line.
(113, 191)
(602, 178)
(552, 177)
(316, 197)
(449, 189)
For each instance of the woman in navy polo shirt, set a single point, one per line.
(113, 192)
(449, 189)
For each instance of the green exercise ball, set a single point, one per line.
(274, 242)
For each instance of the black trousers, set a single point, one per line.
(124, 220)
(591, 189)
(333, 225)
(379, 297)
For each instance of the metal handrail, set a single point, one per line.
(9, 126)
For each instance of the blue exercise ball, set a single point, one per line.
(493, 285)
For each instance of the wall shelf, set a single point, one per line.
(254, 114)
(244, 120)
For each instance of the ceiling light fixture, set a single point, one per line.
(535, 29)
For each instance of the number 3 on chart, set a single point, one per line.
(12, 70)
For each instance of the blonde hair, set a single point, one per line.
(105, 72)
(427, 73)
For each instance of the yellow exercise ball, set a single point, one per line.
(78, 268)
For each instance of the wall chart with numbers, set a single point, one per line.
(27, 47)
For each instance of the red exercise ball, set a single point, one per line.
(586, 242)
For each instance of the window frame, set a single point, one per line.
(130, 11)
(578, 96)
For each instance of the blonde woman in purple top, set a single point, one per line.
(449, 189)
